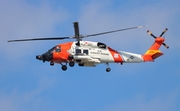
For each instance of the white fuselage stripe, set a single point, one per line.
(121, 56)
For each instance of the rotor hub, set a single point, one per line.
(160, 39)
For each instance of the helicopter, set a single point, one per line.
(90, 53)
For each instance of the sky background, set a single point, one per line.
(27, 84)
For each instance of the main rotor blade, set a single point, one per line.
(33, 39)
(113, 31)
(163, 32)
(76, 29)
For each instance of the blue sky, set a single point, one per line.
(27, 84)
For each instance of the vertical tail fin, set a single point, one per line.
(153, 52)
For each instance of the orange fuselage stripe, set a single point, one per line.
(116, 56)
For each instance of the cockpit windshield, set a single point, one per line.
(55, 49)
(52, 49)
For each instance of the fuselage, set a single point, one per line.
(90, 53)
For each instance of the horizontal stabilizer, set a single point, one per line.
(151, 55)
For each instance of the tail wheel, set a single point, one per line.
(108, 69)
(64, 67)
(71, 64)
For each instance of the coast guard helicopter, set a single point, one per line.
(89, 53)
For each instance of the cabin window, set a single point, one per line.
(78, 51)
(86, 52)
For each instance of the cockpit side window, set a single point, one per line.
(57, 49)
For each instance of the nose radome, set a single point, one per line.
(39, 57)
(45, 57)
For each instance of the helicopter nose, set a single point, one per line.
(39, 57)
(45, 57)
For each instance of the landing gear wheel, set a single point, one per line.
(71, 64)
(64, 67)
(52, 63)
(108, 69)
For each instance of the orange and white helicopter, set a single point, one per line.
(88, 53)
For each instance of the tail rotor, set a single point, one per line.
(151, 34)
